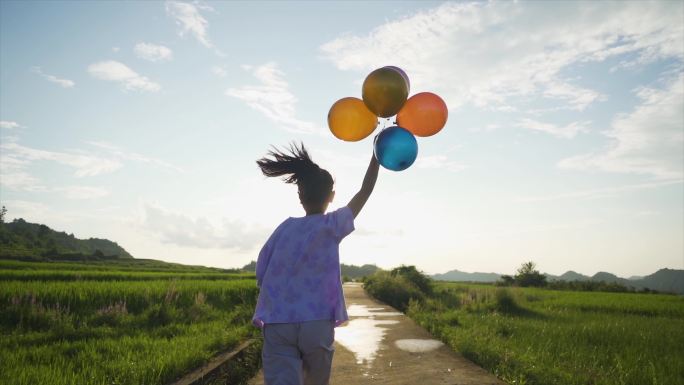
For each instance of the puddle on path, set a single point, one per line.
(365, 311)
(418, 346)
(363, 334)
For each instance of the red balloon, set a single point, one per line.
(424, 114)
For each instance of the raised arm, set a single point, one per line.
(359, 200)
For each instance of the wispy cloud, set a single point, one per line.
(273, 98)
(219, 71)
(65, 83)
(440, 162)
(16, 161)
(189, 19)
(14, 177)
(122, 154)
(8, 124)
(649, 140)
(498, 54)
(597, 193)
(185, 231)
(568, 131)
(83, 192)
(118, 72)
(153, 52)
(15, 154)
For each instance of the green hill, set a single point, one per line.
(32, 241)
(349, 271)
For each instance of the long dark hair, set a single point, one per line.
(296, 167)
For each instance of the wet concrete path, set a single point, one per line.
(382, 346)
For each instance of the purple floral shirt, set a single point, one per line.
(298, 270)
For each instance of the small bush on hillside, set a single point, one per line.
(393, 290)
(418, 279)
(528, 275)
(398, 287)
(505, 302)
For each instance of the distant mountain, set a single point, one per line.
(24, 240)
(665, 280)
(462, 276)
(669, 280)
(249, 267)
(572, 276)
(350, 271)
(357, 272)
(602, 276)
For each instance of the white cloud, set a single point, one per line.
(219, 71)
(497, 54)
(440, 162)
(597, 193)
(83, 192)
(273, 98)
(16, 159)
(153, 52)
(567, 131)
(65, 83)
(116, 49)
(9, 124)
(128, 155)
(15, 156)
(649, 140)
(187, 17)
(115, 71)
(16, 179)
(13, 175)
(185, 231)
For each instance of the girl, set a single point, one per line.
(298, 270)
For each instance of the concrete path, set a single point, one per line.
(382, 346)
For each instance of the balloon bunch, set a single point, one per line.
(385, 94)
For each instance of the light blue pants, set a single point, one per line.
(298, 353)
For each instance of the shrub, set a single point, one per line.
(418, 279)
(399, 287)
(528, 275)
(505, 302)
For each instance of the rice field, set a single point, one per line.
(75, 323)
(540, 337)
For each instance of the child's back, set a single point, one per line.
(298, 270)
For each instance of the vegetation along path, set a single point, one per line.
(382, 346)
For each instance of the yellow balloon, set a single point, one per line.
(385, 91)
(349, 119)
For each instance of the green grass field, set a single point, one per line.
(545, 337)
(117, 323)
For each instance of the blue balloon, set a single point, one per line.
(396, 148)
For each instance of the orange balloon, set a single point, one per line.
(349, 119)
(384, 92)
(424, 114)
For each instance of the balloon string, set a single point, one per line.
(386, 122)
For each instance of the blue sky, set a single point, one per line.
(141, 121)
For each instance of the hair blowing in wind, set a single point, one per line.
(295, 166)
